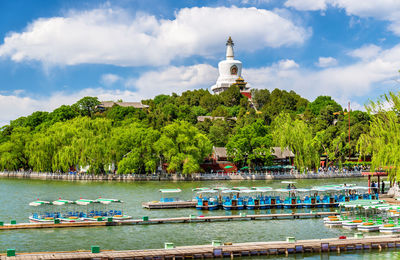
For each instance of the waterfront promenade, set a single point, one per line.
(177, 177)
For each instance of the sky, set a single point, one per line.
(56, 52)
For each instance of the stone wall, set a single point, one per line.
(174, 177)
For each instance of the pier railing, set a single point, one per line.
(177, 177)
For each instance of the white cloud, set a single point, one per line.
(385, 10)
(113, 36)
(344, 83)
(109, 79)
(287, 64)
(325, 62)
(174, 79)
(307, 5)
(163, 81)
(366, 52)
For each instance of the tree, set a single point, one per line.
(382, 141)
(12, 152)
(321, 102)
(219, 133)
(260, 97)
(86, 106)
(133, 148)
(251, 145)
(183, 147)
(296, 135)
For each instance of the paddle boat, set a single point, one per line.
(369, 226)
(67, 211)
(231, 200)
(42, 212)
(264, 201)
(112, 208)
(89, 210)
(207, 199)
(170, 195)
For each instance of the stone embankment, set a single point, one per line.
(175, 177)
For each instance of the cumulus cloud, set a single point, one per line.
(325, 62)
(109, 79)
(385, 10)
(307, 5)
(366, 52)
(344, 83)
(113, 36)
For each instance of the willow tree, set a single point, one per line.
(382, 141)
(78, 142)
(183, 147)
(132, 147)
(298, 137)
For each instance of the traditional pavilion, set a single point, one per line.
(230, 73)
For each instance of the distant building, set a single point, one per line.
(108, 104)
(284, 157)
(212, 118)
(230, 73)
(219, 159)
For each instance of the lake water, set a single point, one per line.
(16, 194)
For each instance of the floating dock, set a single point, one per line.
(151, 221)
(169, 205)
(192, 204)
(231, 250)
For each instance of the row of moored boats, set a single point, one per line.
(61, 210)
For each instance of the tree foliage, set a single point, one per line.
(383, 139)
(295, 134)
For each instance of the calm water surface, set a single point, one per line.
(16, 194)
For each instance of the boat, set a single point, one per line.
(231, 200)
(165, 198)
(207, 199)
(68, 211)
(112, 208)
(42, 212)
(264, 201)
(89, 210)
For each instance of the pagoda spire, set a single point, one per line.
(229, 49)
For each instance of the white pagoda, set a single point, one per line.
(230, 72)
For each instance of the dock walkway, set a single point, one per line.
(231, 250)
(151, 221)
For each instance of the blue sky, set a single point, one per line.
(56, 52)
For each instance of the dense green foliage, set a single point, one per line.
(169, 136)
(383, 139)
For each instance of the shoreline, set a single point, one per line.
(174, 177)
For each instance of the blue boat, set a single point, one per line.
(207, 199)
(231, 200)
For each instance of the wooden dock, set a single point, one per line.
(169, 205)
(152, 221)
(192, 204)
(231, 250)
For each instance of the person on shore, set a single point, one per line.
(383, 187)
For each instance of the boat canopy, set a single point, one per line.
(302, 190)
(84, 202)
(230, 191)
(261, 188)
(207, 191)
(108, 201)
(39, 202)
(170, 190)
(61, 202)
(284, 190)
(221, 188)
(201, 189)
(289, 182)
(240, 188)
